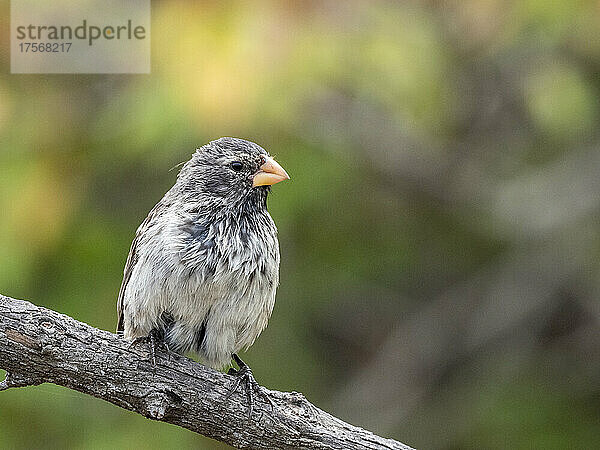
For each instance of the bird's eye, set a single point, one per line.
(237, 166)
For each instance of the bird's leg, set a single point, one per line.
(244, 374)
(152, 338)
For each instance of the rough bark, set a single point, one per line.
(38, 345)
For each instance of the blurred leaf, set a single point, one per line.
(561, 102)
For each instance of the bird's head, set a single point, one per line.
(231, 171)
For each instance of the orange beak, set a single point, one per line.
(270, 173)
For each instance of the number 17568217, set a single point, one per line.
(44, 47)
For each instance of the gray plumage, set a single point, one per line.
(204, 265)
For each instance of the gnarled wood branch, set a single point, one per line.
(38, 345)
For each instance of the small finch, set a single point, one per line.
(203, 268)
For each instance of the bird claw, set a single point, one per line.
(154, 341)
(244, 374)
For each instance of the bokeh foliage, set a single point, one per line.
(439, 236)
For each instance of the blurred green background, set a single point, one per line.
(440, 238)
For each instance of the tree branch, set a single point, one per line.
(38, 345)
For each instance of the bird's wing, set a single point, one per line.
(132, 259)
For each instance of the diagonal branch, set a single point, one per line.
(38, 345)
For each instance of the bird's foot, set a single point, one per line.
(244, 374)
(155, 340)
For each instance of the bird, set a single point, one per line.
(203, 269)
